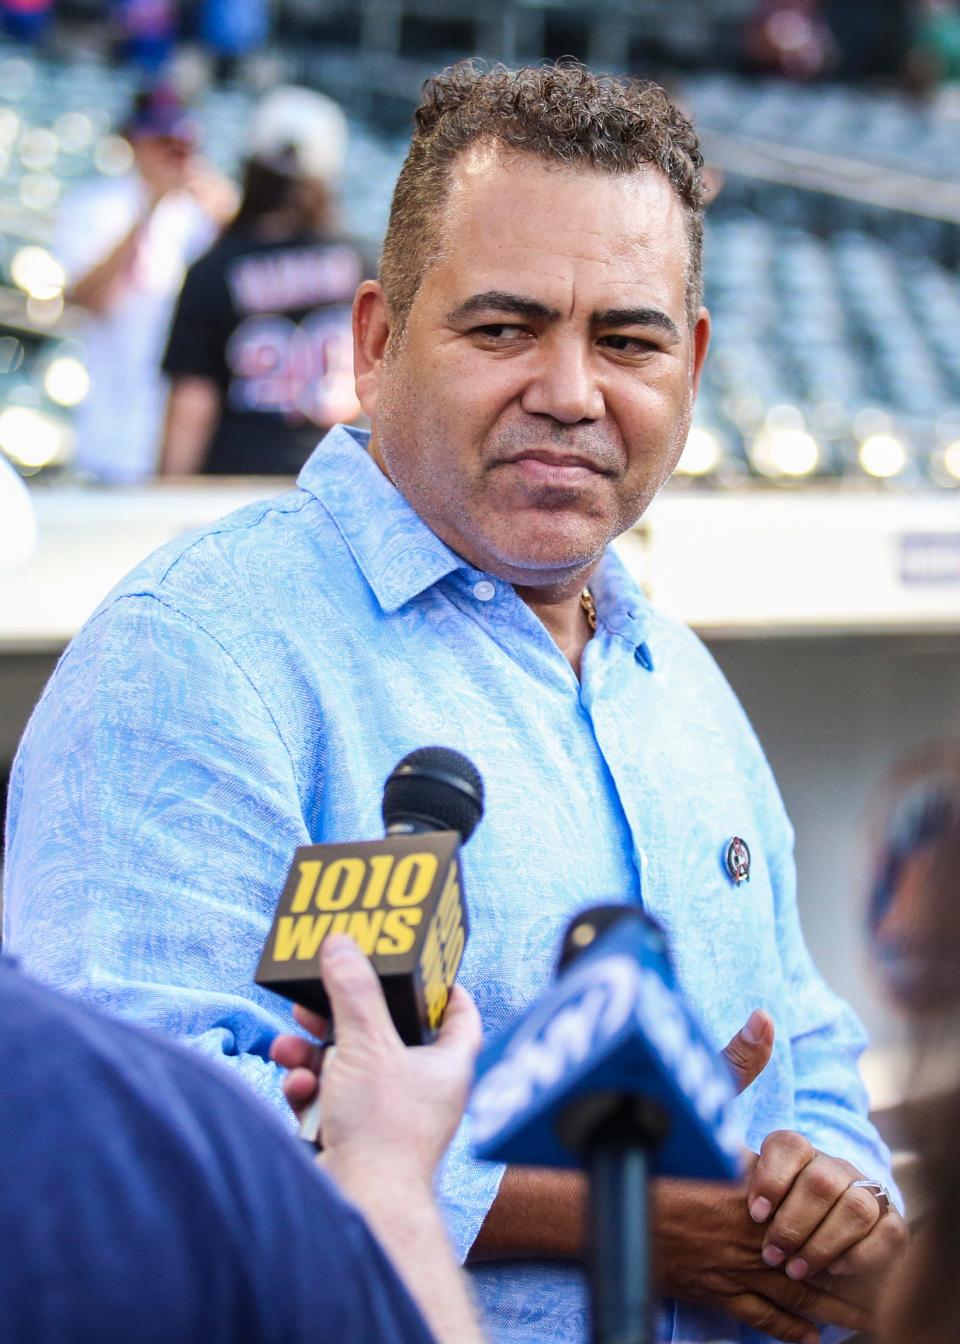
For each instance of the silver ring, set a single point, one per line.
(880, 1193)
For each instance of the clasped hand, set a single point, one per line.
(796, 1244)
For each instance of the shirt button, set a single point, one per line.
(484, 590)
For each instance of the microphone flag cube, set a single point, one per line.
(400, 899)
(613, 1024)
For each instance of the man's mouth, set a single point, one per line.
(542, 466)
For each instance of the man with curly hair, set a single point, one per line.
(528, 361)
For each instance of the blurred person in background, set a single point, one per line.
(232, 30)
(915, 921)
(27, 20)
(124, 244)
(790, 38)
(146, 31)
(260, 353)
(934, 56)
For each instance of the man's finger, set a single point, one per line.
(811, 1302)
(783, 1156)
(296, 1052)
(313, 1022)
(461, 1026)
(852, 1217)
(817, 1191)
(360, 1015)
(299, 1088)
(749, 1051)
(771, 1320)
(878, 1249)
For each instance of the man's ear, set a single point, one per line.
(371, 331)
(701, 340)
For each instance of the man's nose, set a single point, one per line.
(564, 385)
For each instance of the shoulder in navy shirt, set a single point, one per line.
(146, 1196)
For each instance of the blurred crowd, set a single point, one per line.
(214, 315)
(238, 365)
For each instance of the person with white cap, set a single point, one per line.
(124, 244)
(260, 354)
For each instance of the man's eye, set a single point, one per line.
(499, 331)
(628, 345)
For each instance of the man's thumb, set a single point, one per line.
(748, 1053)
(357, 1005)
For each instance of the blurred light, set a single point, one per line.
(4, 161)
(882, 455)
(37, 272)
(784, 452)
(784, 417)
(951, 459)
(38, 191)
(829, 418)
(30, 438)
(9, 125)
(18, 536)
(871, 421)
(745, 409)
(45, 312)
(66, 381)
(11, 354)
(16, 76)
(113, 156)
(948, 427)
(701, 455)
(38, 149)
(74, 130)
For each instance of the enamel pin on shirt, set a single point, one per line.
(738, 860)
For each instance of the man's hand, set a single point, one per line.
(382, 1101)
(813, 1218)
(748, 1052)
(707, 1253)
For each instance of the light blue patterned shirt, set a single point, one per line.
(248, 688)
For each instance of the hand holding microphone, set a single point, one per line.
(401, 901)
(370, 1078)
(389, 1113)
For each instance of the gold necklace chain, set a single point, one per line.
(589, 608)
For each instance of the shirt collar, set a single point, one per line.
(397, 553)
(622, 605)
(400, 557)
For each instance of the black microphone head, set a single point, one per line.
(586, 927)
(434, 789)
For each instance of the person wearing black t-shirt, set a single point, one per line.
(260, 355)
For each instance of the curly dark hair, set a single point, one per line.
(563, 113)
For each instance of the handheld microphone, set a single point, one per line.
(400, 898)
(611, 1072)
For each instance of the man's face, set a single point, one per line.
(163, 160)
(541, 392)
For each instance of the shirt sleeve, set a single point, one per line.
(91, 224)
(466, 1188)
(365, 1291)
(153, 815)
(198, 335)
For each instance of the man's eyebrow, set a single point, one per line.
(637, 317)
(498, 301)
